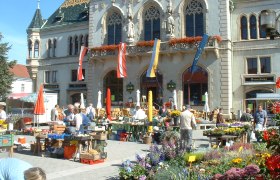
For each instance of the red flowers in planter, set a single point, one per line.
(278, 82)
(145, 43)
(106, 48)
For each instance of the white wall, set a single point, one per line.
(17, 83)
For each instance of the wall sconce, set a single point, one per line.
(171, 85)
(130, 87)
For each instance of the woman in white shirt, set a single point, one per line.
(3, 114)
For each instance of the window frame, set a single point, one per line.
(270, 67)
(194, 16)
(30, 49)
(253, 27)
(116, 27)
(243, 26)
(259, 70)
(74, 75)
(54, 47)
(36, 49)
(154, 23)
(47, 77)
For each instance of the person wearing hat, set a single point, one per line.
(187, 122)
(3, 114)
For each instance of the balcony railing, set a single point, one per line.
(165, 47)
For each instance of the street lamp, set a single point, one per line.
(130, 87)
(171, 85)
(270, 23)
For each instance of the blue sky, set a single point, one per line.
(16, 16)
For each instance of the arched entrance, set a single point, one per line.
(252, 104)
(77, 98)
(116, 86)
(152, 84)
(194, 86)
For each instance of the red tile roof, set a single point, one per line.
(20, 70)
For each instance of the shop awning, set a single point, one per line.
(18, 95)
(265, 96)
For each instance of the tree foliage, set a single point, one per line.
(6, 77)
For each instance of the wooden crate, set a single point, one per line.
(85, 155)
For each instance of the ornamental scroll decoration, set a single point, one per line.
(73, 3)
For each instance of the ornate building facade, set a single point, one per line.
(222, 70)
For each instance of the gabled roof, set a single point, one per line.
(20, 71)
(37, 21)
(70, 12)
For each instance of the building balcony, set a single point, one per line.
(167, 47)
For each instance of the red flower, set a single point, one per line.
(265, 135)
(273, 163)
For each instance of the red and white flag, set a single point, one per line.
(80, 68)
(121, 70)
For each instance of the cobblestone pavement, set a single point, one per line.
(118, 152)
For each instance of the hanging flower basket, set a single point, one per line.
(106, 48)
(191, 40)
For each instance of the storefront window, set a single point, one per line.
(252, 65)
(195, 85)
(265, 65)
(116, 87)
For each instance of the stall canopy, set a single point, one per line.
(265, 96)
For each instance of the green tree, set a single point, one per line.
(6, 77)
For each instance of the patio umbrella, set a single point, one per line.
(175, 98)
(150, 110)
(39, 108)
(108, 104)
(99, 105)
(82, 106)
(206, 106)
(137, 97)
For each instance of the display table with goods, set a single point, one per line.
(86, 148)
(228, 133)
(128, 131)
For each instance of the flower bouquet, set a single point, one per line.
(175, 113)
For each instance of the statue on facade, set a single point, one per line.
(130, 26)
(170, 23)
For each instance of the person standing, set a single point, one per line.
(220, 117)
(54, 113)
(260, 120)
(90, 111)
(69, 115)
(247, 116)
(187, 122)
(3, 114)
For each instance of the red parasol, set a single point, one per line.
(278, 83)
(108, 104)
(40, 106)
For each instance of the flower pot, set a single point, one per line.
(147, 139)
(175, 121)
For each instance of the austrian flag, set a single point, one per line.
(121, 69)
(80, 68)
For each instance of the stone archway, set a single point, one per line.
(194, 86)
(115, 84)
(152, 84)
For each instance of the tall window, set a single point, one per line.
(152, 23)
(265, 64)
(54, 75)
(116, 87)
(76, 45)
(74, 75)
(244, 28)
(47, 76)
(70, 46)
(252, 65)
(36, 49)
(22, 88)
(49, 47)
(86, 39)
(30, 49)
(194, 19)
(114, 24)
(261, 30)
(82, 40)
(54, 47)
(253, 27)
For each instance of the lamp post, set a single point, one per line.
(130, 87)
(270, 23)
(171, 86)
